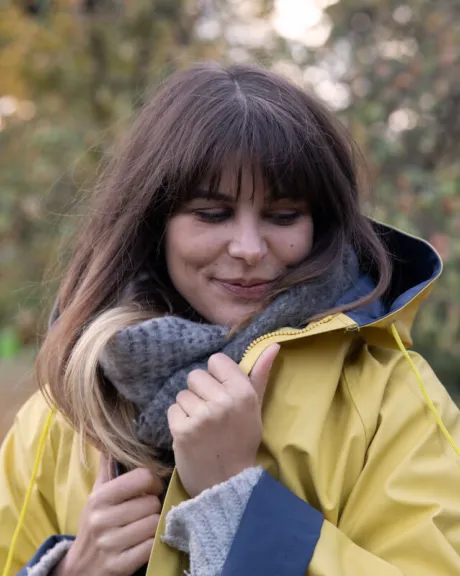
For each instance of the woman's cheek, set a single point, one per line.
(298, 244)
(202, 249)
(189, 241)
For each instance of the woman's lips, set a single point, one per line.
(254, 292)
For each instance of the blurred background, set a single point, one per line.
(73, 72)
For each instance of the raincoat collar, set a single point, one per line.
(415, 267)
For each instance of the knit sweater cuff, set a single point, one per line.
(47, 563)
(205, 526)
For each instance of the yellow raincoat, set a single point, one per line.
(346, 429)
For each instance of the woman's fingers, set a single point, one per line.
(177, 419)
(190, 403)
(206, 386)
(135, 533)
(128, 486)
(133, 510)
(117, 524)
(226, 371)
(134, 558)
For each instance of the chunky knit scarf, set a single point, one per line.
(148, 363)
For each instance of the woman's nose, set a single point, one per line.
(248, 243)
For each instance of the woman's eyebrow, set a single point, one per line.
(283, 196)
(212, 195)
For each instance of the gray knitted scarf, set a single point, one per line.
(148, 363)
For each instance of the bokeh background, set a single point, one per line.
(73, 72)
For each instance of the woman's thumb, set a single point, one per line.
(261, 370)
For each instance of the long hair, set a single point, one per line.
(198, 120)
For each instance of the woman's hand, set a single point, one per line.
(117, 525)
(216, 424)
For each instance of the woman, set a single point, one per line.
(226, 277)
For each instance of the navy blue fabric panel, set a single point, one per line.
(277, 535)
(365, 314)
(415, 264)
(44, 548)
(407, 296)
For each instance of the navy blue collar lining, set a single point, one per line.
(415, 265)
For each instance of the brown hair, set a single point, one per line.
(199, 119)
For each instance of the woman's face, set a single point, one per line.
(222, 253)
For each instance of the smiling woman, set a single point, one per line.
(226, 362)
(225, 250)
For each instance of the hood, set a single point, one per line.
(415, 267)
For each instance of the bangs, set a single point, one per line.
(271, 147)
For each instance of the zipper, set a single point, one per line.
(293, 332)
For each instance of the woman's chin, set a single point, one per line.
(230, 314)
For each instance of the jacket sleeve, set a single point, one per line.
(17, 457)
(48, 556)
(402, 517)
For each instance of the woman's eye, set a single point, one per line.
(284, 218)
(213, 216)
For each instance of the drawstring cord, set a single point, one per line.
(395, 334)
(427, 398)
(41, 446)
